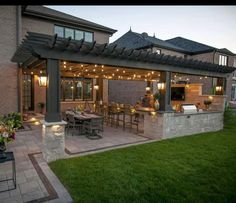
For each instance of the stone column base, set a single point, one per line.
(53, 135)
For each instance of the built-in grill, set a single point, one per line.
(188, 108)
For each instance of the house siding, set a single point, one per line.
(8, 70)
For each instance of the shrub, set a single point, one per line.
(14, 118)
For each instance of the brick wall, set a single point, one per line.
(193, 95)
(128, 92)
(8, 70)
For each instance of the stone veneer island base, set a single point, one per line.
(168, 125)
(53, 138)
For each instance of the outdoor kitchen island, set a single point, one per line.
(163, 125)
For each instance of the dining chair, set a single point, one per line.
(92, 127)
(74, 124)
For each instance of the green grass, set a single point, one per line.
(199, 168)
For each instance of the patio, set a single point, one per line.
(35, 180)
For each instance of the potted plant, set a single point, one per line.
(41, 107)
(207, 103)
(157, 96)
(8, 127)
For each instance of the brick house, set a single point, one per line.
(20, 89)
(180, 47)
(17, 21)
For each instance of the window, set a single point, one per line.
(88, 36)
(27, 92)
(87, 89)
(67, 89)
(223, 60)
(59, 31)
(158, 51)
(73, 33)
(76, 89)
(79, 34)
(234, 62)
(69, 33)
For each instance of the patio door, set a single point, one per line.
(27, 92)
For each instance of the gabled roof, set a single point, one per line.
(226, 51)
(47, 13)
(135, 40)
(189, 45)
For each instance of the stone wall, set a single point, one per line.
(169, 125)
(175, 125)
(53, 139)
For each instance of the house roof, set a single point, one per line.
(40, 46)
(226, 51)
(135, 40)
(189, 45)
(47, 13)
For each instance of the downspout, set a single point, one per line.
(18, 38)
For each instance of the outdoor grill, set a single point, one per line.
(188, 108)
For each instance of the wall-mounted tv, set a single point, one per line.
(177, 93)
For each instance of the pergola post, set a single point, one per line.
(53, 91)
(165, 98)
(53, 132)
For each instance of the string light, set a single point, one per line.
(94, 70)
(82, 65)
(117, 69)
(102, 66)
(64, 63)
(152, 72)
(123, 71)
(95, 65)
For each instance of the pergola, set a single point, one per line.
(36, 48)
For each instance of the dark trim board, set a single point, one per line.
(51, 191)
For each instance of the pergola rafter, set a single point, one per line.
(39, 46)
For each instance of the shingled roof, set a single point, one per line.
(196, 47)
(189, 45)
(47, 13)
(135, 40)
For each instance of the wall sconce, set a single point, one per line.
(161, 86)
(219, 90)
(43, 81)
(96, 87)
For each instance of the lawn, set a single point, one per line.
(199, 168)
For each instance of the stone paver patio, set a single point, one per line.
(35, 180)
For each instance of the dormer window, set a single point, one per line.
(223, 60)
